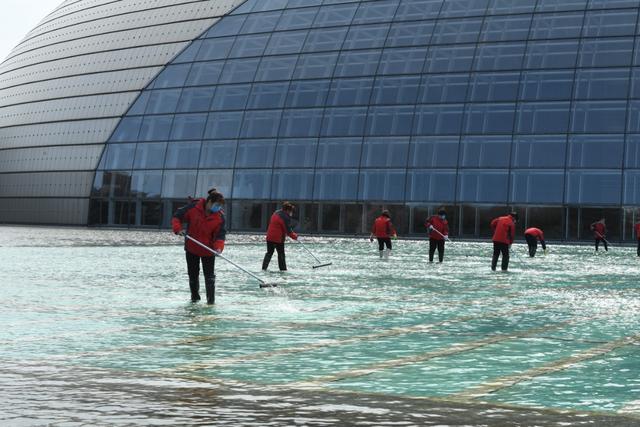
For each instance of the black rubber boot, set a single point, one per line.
(194, 285)
(210, 285)
(266, 260)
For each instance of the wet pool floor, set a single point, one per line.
(98, 329)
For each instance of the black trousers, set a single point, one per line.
(500, 248)
(604, 242)
(436, 244)
(208, 268)
(638, 247)
(279, 247)
(384, 241)
(533, 244)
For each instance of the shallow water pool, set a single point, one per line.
(98, 329)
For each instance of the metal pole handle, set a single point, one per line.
(443, 236)
(310, 253)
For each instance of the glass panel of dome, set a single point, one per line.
(293, 19)
(188, 54)
(602, 84)
(260, 22)
(438, 119)
(218, 48)
(494, 86)
(632, 152)
(631, 188)
(546, 85)
(455, 31)
(410, 33)
(139, 105)
(557, 25)
(172, 76)
(119, 156)
(305, 93)
(227, 26)
(489, 118)
(532, 186)
(389, 120)
(499, 56)
(357, 63)
(163, 101)
(155, 128)
(195, 99)
(350, 91)
(286, 42)
(257, 153)
(485, 152)
(301, 123)
(260, 124)
(606, 52)
(599, 116)
(344, 121)
(146, 184)
(551, 54)
(325, 39)
(231, 97)
(434, 152)
(245, 7)
(205, 73)
(339, 152)
(539, 151)
(476, 186)
(302, 3)
(218, 154)
(379, 11)
(265, 5)
(505, 28)
(387, 185)
(559, 5)
(296, 153)
(127, 129)
(405, 60)
(292, 184)
(385, 152)
(452, 8)
(315, 66)
(633, 121)
(366, 36)
(251, 45)
(433, 186)
(239, 70)
(335, 184)
(150, 155)
(448, 59)
(188, 126)
(606, 23)
(182, 155)
(219, 179)
(223, 125)
(543, 117)
(596, 151)
(409, 10)
(604, 4)
(177, 184)
(252, 184)
(276, 68)
(594, 187)
(268, 95)
(510, 6)
(340, 14)
(443, 88)
(395, 90)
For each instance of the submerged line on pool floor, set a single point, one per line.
(493, 386)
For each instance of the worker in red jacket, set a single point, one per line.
(599, 229)
(636, 227)
(504, 230)
(280, 226)
(532, 235)
(438, 229)
(205, 223)
(383, 230)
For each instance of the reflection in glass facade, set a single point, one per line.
(344, 106)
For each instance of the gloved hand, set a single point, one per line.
(395, 236)
(446, 237)
(180, 233)
(431, 228)
(294, 236)
(371, 239)
(218, 246)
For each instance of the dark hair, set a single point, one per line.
(215, 196)
(286, 206)
(385, 212)
(441, 211)
(514, 215)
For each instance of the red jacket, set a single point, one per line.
(637, 228)
(280, 227)
(207, 229)
(599, 230)
(535, 232)
(504, 229)
(383, 228)
(442, 225)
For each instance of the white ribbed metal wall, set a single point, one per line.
(64, 88)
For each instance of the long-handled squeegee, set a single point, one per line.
(320, 264)
(263, 284)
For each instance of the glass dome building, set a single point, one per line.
(341, 107)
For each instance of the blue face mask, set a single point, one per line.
(216, 208)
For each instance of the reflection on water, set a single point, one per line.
(98, 330)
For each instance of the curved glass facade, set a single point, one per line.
(344, 106)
